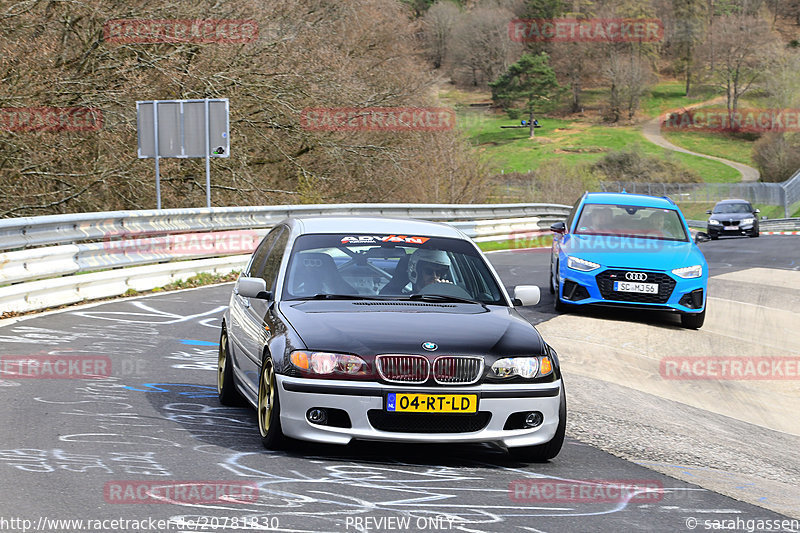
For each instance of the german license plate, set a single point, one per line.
(731, 228)
(431, 403)
(628, 286)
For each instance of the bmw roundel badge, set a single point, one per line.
(430, 346)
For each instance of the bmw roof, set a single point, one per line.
(370, 224)
(733, 201)
(623, 198)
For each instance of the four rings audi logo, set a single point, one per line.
(635, 276)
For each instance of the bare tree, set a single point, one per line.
(576, 64)
(688, 30)
(308, 53)
(481, 49)
(741, 47)
(438, 23)
(782, 79)
(628, 76)
(777, 156)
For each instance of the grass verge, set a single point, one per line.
(522, 240)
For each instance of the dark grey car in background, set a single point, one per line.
(733, 217)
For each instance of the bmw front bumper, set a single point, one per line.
(357, 399)
(721, 231)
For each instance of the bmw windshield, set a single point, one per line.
(631, 221)
(388, 266)
(732, 208)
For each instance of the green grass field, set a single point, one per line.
(716, 144)
(669, 95)
(539, 241)
(572, 141)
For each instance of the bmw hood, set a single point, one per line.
(731, 216)
(631, 252)
(372, 327)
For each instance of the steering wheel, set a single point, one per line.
(445, 288)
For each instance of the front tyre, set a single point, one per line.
(269, 408)
(226, 389)
(541, 453)
(693, 320)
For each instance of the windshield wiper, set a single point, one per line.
(442, 298)
(328, 296)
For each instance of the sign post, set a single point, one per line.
(183, 129)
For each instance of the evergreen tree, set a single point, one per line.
(530, 80)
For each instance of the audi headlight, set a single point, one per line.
(581, 265)
(689, 272)
(746, 221)
(714, 222)
(526, 367)
(328, 364)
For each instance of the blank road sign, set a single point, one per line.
(182, 128)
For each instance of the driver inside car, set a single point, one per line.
(428, 266)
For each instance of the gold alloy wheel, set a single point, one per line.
(266, 397)
(222, 361)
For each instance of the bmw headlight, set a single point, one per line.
(689, 272)
(329, 364)
(525, 367)
(714, 222)
(581, 265)
(746, 221)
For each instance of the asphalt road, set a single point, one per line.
(70, 448)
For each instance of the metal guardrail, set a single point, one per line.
(773, 224)
(59, 229)
(140, 250)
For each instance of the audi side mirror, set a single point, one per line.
(701, 236)
(558, 227)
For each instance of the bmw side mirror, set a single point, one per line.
(526, 295)
(253, 288)
(558, 227)
(708, 211)
(757, 211)
(701, 237)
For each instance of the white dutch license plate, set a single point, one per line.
(627, 286)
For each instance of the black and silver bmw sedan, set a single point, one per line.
(382, 329)
(732, 217)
